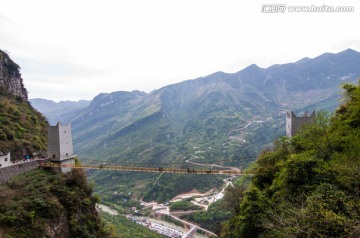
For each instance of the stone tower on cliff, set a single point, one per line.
(60, 146)
(294, 123)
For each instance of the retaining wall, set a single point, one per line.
(9, 172)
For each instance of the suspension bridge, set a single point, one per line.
(230, 172)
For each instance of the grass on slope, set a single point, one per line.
(22, 127)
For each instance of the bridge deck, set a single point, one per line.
(144, 169)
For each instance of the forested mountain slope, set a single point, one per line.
(307, 186)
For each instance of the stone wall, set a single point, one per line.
(53, 146)
(9, 172)
(66, 146)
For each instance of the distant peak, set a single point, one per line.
(348, 51)
(324, 55)
(252, 67)
(218, 73)
(139, 92)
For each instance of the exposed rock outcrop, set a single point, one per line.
(10, 77)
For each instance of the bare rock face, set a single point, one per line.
(59, 228)
(10, 77)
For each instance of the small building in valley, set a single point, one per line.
(5, 160)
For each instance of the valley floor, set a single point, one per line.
(176, 227)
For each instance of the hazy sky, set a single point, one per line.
(70, 50)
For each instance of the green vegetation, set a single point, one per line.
(171, 220)
(46, 203)
(307, 186)
(119, 188)
(119, 226)
(184, 205)
(219, 211)
(169, 185)
(23, 129)
(210, 219)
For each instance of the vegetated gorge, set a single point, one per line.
(304, 186)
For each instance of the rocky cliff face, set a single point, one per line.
(10, 77)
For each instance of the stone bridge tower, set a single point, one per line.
(60, 146)
(294, 123)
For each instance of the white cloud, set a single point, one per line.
(88, 47)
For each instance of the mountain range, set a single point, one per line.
(223, 117)
(55, 111)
